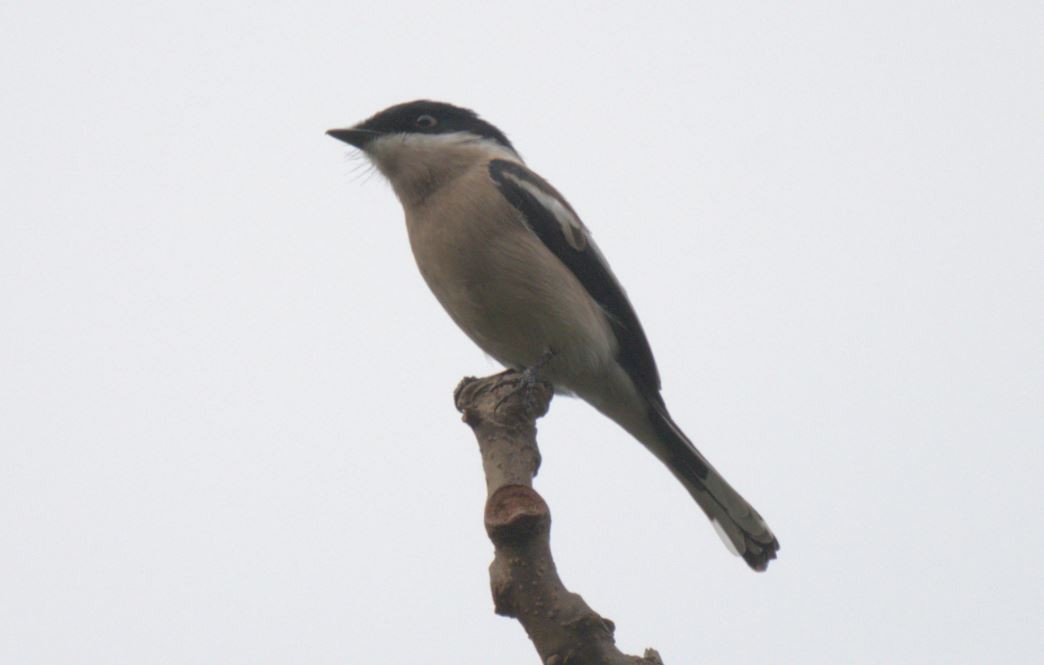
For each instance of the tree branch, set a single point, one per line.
(502, 411)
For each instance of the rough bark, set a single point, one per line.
(502, 411)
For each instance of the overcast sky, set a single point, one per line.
(226, 426)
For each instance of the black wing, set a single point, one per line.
(558, 226)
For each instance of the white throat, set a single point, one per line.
(417, 164)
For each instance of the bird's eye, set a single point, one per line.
(426, 121)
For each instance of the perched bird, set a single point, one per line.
(516, 269)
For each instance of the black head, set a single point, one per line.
(420, 117)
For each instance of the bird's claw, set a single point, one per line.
(522, 381)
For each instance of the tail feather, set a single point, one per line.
(740, 526)
(643, 414)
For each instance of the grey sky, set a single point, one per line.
(227, 433)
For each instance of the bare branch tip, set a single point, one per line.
(460, 399)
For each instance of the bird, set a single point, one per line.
(513, 265)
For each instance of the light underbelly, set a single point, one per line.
(517, 303)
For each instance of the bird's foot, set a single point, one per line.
(524, 381)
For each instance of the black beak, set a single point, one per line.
(353, 136)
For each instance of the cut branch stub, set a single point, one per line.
(516, 512)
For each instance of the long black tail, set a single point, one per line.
(739, 525)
